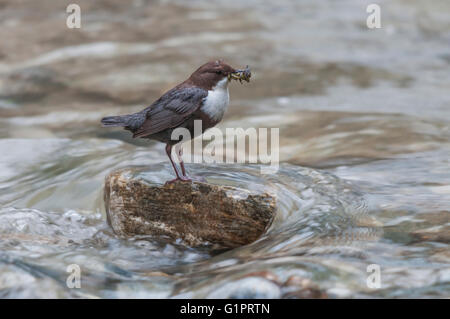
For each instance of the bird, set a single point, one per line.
(203, 96)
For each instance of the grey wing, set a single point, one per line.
(171, 109)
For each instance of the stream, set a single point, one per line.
(364, 123)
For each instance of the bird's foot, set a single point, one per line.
(191, 179)
(179, 179)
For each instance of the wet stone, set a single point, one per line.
(439, 233)
(198, 213)
(297, 287)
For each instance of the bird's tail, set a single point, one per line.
(121, 120)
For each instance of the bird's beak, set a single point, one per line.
(241, 74)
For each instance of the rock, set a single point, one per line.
(199, 213)
(440, 233)
(297, 287)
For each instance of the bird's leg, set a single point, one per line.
(179, 151)
(175, 168)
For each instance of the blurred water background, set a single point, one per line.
(364, 117)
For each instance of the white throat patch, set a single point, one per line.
(216, 102)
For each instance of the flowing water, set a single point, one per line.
(364, 118)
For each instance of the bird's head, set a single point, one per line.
(217, 72)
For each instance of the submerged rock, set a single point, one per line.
(297, 287)
(199, 213)
(439, 233)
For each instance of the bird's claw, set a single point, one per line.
(190, 179)
(179, 179)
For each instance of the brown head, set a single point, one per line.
(209, 74)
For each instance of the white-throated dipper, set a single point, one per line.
(203, 96)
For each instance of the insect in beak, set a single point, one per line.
(241, 75)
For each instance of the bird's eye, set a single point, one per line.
(219, 72)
